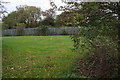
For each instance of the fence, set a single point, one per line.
(38, 31)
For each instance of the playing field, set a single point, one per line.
(38, 57)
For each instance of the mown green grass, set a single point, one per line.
(38, 57)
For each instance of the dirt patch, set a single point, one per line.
(49, 66)
(41, 56)
(45, 56)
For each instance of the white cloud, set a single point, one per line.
(43, 4)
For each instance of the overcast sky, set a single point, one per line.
(43, 4)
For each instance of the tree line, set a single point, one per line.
(31, 17)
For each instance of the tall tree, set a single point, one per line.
(28, 15)
(10, 21)
(48, 21)
(68, 19)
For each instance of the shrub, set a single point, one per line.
(99, 50)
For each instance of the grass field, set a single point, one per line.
(38, 57)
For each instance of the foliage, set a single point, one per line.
(10, 21)
(48, 21)
(29, 15)
(49, 16)
(99, 27)
(67, 19)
